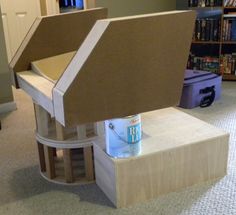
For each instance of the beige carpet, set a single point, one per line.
(24, 191)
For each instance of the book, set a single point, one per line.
(207, 29)
(216, 25)
(204, 3)
(229, 29)
(206, 63)
(203, 29)
(233, 30)
(228, 63)
(198, 29)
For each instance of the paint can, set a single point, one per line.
(123, 136)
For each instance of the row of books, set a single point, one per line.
(228, 64)
(230, 3)
(225, 65)
(207, 30)
(206, 63)
(229, 30)
(204, 3)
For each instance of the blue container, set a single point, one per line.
(123, 136)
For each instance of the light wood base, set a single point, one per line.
(177, 151)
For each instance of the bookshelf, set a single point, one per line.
(214, 40)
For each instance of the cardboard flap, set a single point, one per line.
(126, 66)
(53, 67)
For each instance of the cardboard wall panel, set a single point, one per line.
(53, 36)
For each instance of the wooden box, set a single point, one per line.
(178, 151)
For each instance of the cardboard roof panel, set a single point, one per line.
(126, 66)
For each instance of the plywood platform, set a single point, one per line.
(177, 151)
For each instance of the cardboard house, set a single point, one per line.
(81, 68)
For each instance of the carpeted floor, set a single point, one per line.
(24, 191)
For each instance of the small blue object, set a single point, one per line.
(79, 4)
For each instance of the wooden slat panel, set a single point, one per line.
(68, 168)
(49, 160)
(88, 161)
(41, 157)
(67, 158)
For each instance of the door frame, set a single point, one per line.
(49, 7)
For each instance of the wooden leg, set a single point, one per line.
(88, 161)
(88, 155)
(60, 131)
(46, 157)
(81, 132)
(42, 118)
(68, 165)
(99, 128)
(41, 157)
(68, 169)
(49, 160)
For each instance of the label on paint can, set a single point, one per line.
(134, 134)
(123, 136)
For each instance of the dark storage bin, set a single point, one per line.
(201, 88)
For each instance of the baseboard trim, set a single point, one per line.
(7, 107)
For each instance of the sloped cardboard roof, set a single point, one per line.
(124, 66)
(54, 35)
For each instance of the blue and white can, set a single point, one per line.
(123, 136)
